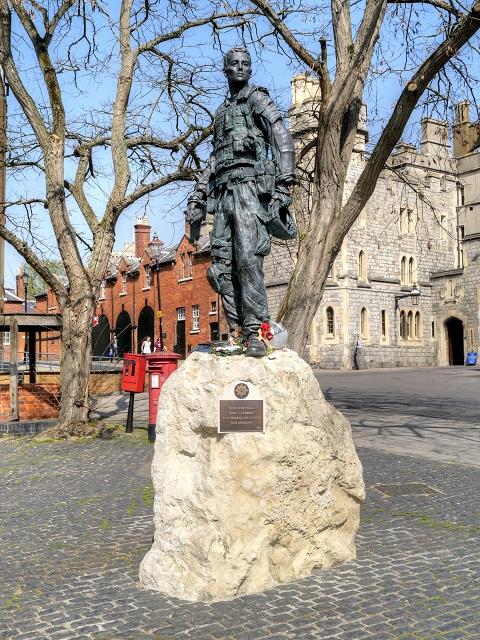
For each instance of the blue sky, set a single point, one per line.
(274, 70)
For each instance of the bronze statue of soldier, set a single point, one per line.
(247, 186)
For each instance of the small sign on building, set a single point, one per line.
(241, 409)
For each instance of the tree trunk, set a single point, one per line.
(305, 289)
(75, 362)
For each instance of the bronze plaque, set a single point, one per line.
(240, 416)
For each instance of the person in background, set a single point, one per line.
(114, 346)
(146, 346)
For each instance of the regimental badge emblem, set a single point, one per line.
(241, 391)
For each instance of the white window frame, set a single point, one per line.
(6, 338)
(148, 276)
(180, 313)
(195, 317)
(190, 264)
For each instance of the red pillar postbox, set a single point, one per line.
(160, 365)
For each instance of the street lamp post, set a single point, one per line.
(155, 249)
(414, 294)
(25, 306)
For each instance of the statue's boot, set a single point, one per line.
(255, 347)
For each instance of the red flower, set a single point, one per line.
(265, 332)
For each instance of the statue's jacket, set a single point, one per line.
(244, 147)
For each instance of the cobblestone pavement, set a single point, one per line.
(76, 519)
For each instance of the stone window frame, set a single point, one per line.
(103, 290)
(408, 271)
(412, 271)
(410, 325)
(417, 324)
(443, 228)
(408, 219)
(384, 327)
(325, 336)
(330, 322)
(403, 270)
(362, 266)
(411, 221)
(402, 221)
(332, 275)
(364, 324)
(402, 325)
(361, 221)
(410, 328)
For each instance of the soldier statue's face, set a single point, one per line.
(238, 68)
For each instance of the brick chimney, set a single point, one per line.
(20, 286)
(142, 235)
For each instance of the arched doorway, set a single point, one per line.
(101, 338)
(454, 328)
(145, 325)
(123, 330)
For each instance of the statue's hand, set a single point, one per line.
(281, 199)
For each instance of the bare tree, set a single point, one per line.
(426, 47)
(143, 139)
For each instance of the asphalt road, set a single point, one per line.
(432, 412)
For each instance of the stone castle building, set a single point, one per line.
(420, 230)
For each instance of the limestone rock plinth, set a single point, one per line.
(238, 513)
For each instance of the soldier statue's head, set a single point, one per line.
(237, 66)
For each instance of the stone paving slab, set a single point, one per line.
(75, 521)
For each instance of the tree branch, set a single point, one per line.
(21, 94)
(26, 252)
(182, 174)
(78, 192)
(445, 6)
(191, 24)
(342, 33)
(124, 86)
(51, 81)
(289, 38)
(409, 97)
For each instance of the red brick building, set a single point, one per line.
(129, 298)
(14, 302)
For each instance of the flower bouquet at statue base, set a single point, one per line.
(272, 334)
